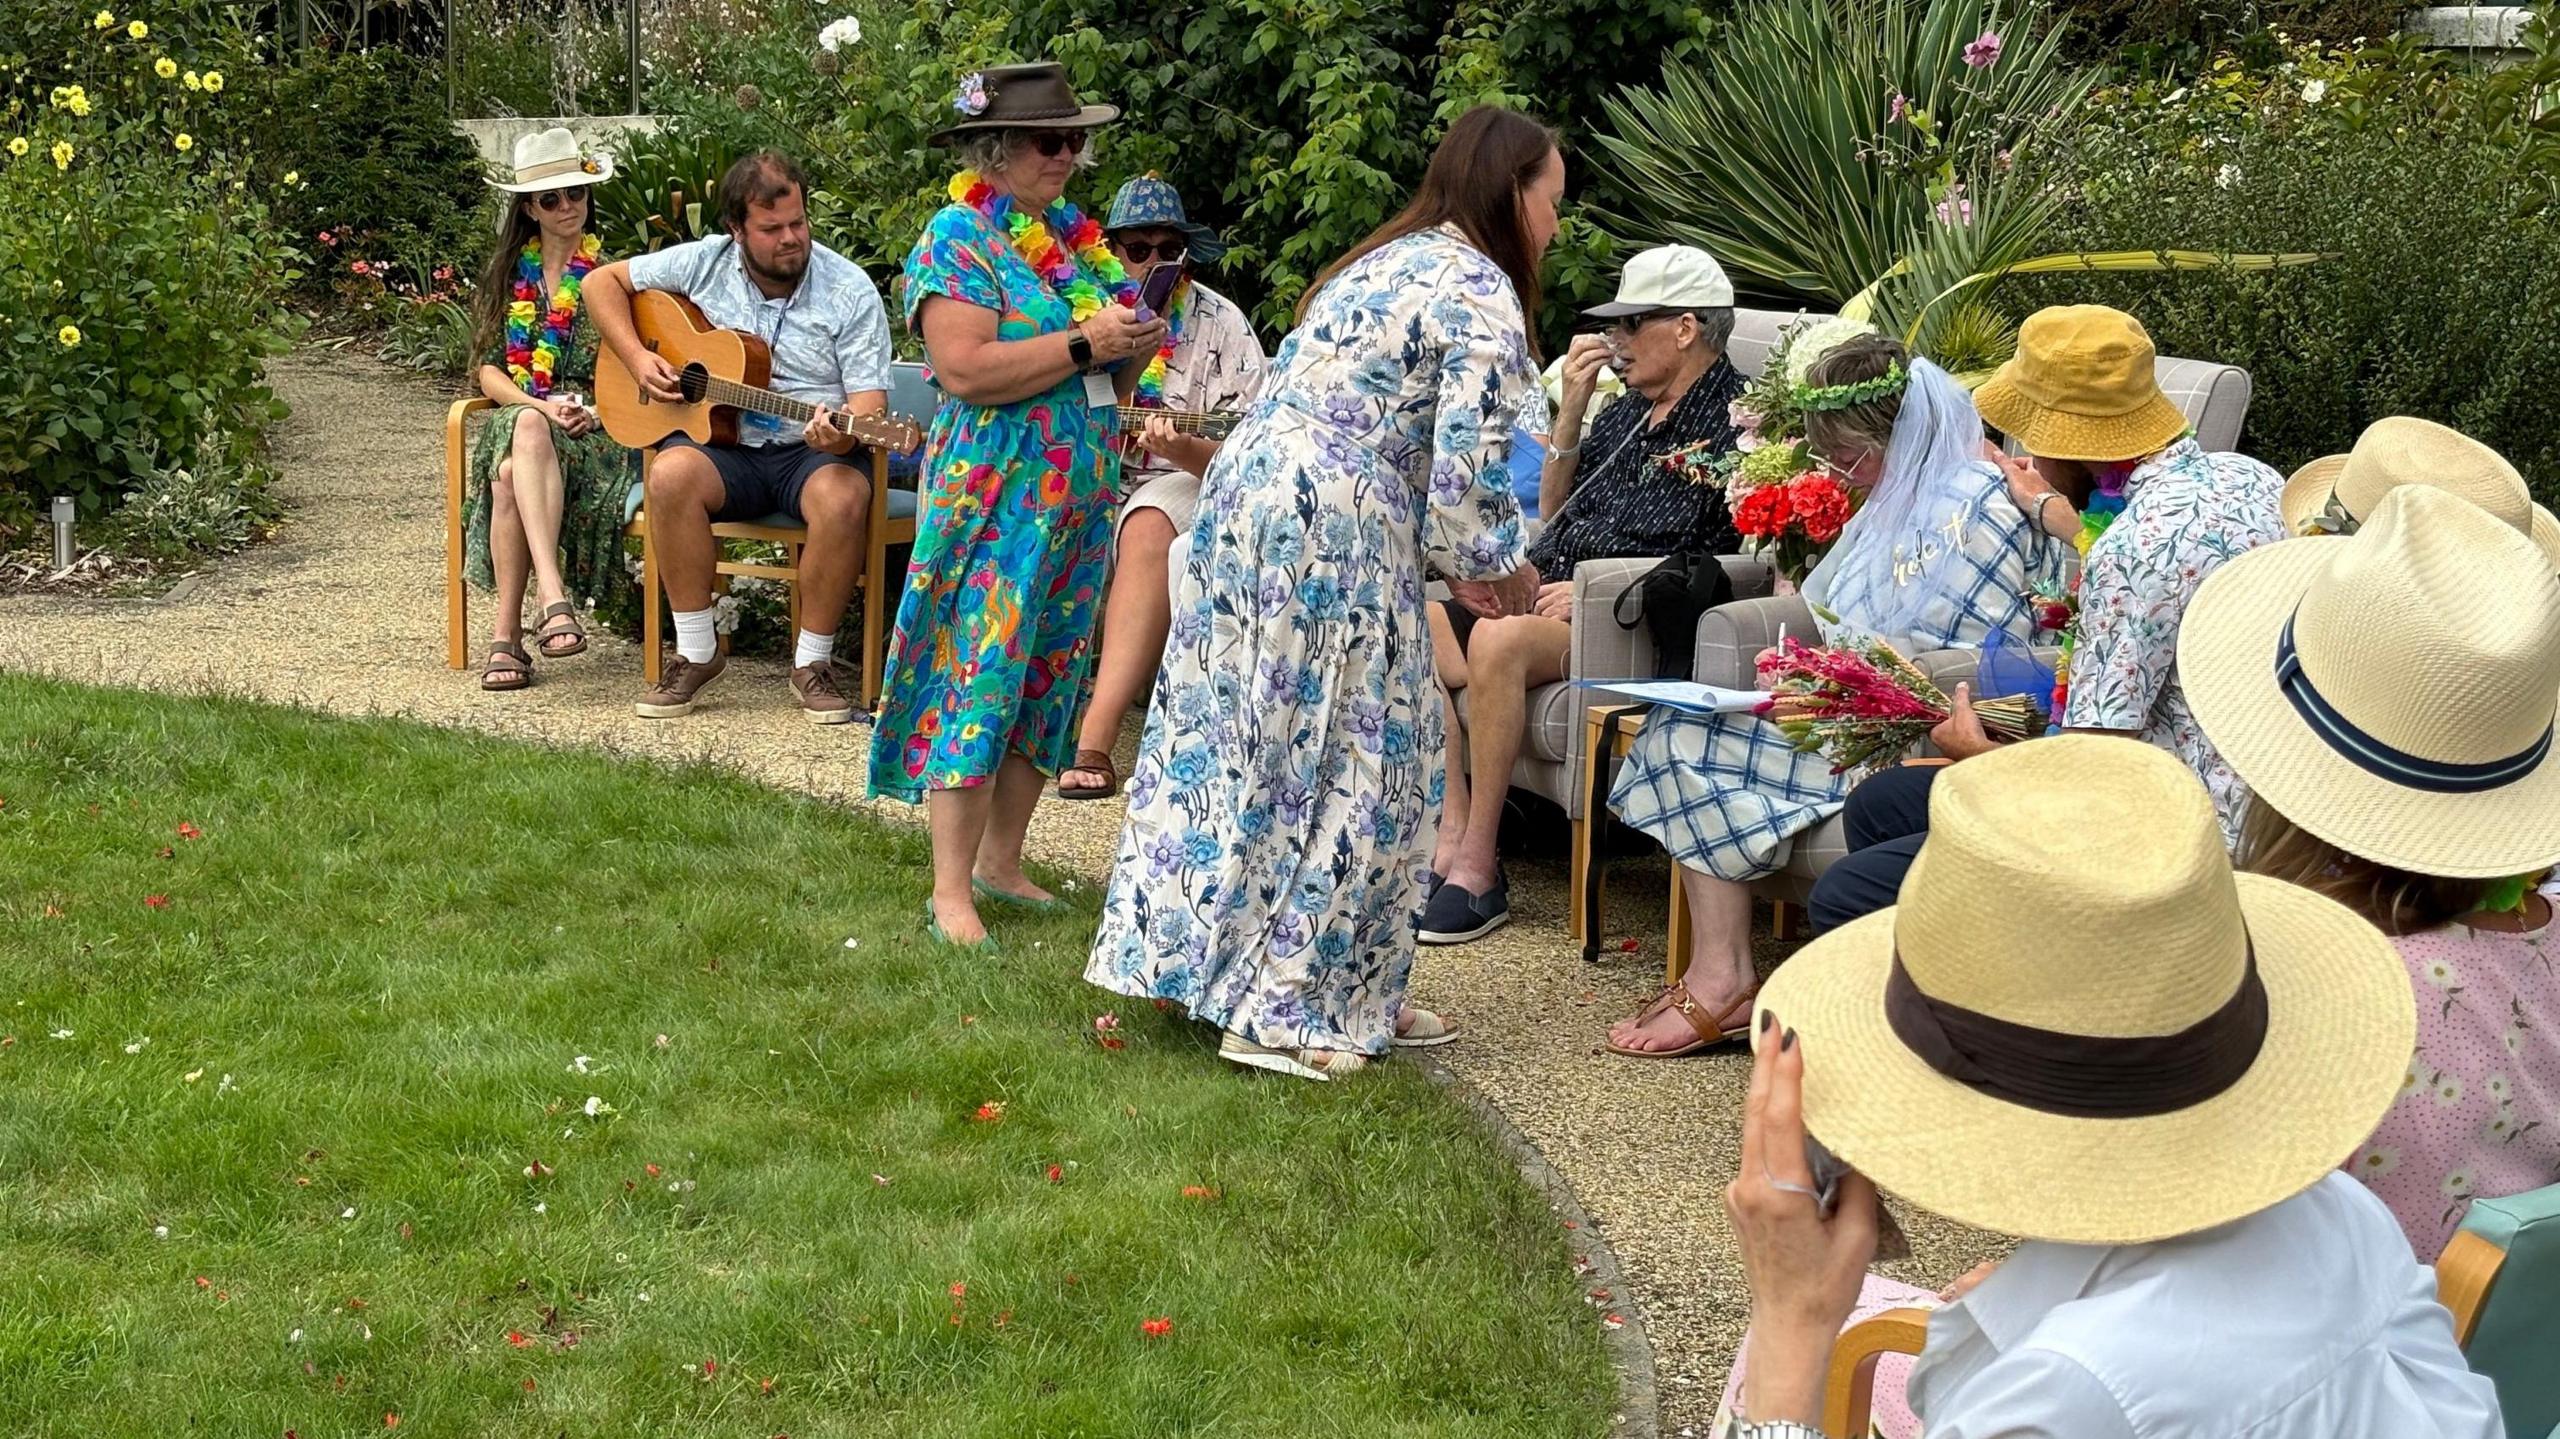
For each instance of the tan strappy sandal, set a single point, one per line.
(545, 631)
(1732, 1023)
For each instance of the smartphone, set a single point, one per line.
(1828, 1171)
(1157, 289)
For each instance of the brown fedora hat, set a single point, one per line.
(1022, 97)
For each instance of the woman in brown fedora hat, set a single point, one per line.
(2389, 699)
(1031, 327)
(2151, 1081)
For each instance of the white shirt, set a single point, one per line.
(830, 337)
(2310, 1320)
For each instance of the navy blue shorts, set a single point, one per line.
(757, 481)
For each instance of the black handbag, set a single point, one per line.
(1667, 600)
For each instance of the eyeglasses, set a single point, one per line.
(1138, 252)
(1838, 471)
(1051, 142)
(550, 200)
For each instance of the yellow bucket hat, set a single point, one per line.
(2081, 388)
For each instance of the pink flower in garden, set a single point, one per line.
(1901, 107)
(361, 268)
(1984, 52)
(327, 239)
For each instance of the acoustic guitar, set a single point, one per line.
(721, 373)
(1207, 424)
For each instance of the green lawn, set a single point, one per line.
(269, 1096)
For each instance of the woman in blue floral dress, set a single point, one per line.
(1022, 308)
(1282, 805)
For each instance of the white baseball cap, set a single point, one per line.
(1668, 277)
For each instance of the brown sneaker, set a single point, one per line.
(821, 691)
(682, 679)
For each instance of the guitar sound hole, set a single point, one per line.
(695, 381)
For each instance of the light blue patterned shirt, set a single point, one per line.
(830, 338)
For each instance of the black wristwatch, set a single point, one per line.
(1080, 350)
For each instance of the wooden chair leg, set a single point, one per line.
(653, 603)
(1586, 879)
(1675, 947)
(791, 590)
(1787, 921)
(457, 594)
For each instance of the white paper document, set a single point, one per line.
(1687, 695)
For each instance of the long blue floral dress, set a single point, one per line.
(1283, 804)
(994, 645)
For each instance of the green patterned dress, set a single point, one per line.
(597, 474)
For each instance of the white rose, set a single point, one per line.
(2313, 93)
(847, 31)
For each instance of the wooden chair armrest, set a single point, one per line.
(2464, 1272)
(1849, 1388)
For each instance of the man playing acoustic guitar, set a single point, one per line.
(822, 318)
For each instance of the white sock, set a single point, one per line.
(813, 650)
(697, 637)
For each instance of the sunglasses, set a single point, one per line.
(1138, 252)
(1626, 328)
(550, 200)
(1051, 143)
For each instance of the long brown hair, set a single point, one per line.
(1475, 181)
(2397, 901)
(496, 287)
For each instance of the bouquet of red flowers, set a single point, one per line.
(1863, 704)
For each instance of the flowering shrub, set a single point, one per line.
(139, 285)
(2434, 187)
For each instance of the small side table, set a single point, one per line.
(1608, 732)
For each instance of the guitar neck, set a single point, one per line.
(1212, 423)
(891, 430)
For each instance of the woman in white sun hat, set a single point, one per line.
(546, 488)
(2388, 698)
(2081, 1028)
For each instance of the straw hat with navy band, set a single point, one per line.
(2079, 1025)
(551, 160)
(2333, 494)
(2393, 691)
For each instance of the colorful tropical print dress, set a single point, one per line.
(1013, 532)
(1283, 804)
(596, 478)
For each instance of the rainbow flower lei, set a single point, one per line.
(532, 357)
(1035, 238)
(1151, 379)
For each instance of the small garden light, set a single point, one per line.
(63, 509)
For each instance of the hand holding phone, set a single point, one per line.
(1156, 291)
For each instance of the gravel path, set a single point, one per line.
(344, 612)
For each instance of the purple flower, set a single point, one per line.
(1984, 52)
(1902, 103)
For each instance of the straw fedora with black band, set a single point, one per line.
(1023, 97)
(2079, 1025)
(551, 160)
(2333, 494)
(2393, 691)
(2082, 387)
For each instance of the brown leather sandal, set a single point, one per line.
(1099, 762)
(1724, 1027)
(545, 631)
(507, 668)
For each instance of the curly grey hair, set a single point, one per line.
(989, 151)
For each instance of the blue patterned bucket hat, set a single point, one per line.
(1148, 202)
